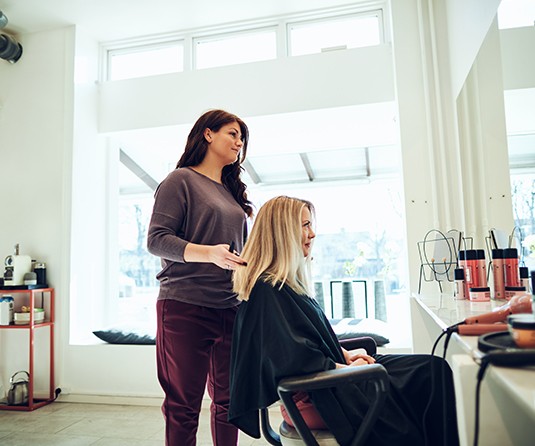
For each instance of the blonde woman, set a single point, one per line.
(280, 331)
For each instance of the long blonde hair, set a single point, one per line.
(274, 248)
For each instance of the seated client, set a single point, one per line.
(280, 331)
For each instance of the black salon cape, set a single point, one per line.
(278, 333)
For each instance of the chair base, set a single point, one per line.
(290, 437)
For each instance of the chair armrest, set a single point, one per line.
(365, 342)
(375, 373)
(334, 378)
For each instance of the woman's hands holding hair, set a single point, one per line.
(226, 259)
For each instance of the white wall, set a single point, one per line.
(518, 64)
(517, 49)
(36, 95)
(483, 144)
(468, 22)
(440, 190)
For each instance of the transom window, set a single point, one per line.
(235, 48)
(275, 37)
(147, 60)
(333, 34)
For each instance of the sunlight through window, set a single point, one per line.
(235, 49)
(341, 33)
(140, 62)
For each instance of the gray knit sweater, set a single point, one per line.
(190, 207)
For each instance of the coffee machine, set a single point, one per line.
(16, 266)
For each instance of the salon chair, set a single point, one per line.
(301, 435)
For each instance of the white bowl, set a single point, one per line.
(24, 318)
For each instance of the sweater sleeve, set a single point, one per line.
(164, 235)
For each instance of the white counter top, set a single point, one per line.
(508, 394)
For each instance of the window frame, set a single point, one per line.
(280, 24)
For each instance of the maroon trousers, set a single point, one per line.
(193, 351)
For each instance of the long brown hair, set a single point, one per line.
(197, 146)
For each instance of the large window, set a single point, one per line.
(356, 191)
(359, 233)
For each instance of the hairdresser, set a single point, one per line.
(200, 210)
(280, 331)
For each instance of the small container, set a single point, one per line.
(480, 294)
(6, 309)
(524, 277)
(459, 283)
(511, 291)
(522, 329)
(30, 279)
(40, 270)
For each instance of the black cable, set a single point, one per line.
(446, 332)
(449, 331)
(436, 342)
(482, 368)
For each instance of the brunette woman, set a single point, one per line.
(200, 211)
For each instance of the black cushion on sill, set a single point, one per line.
(344, 328)
(125, 335)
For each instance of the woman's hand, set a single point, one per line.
(362, 360)
(358, 356)
(222, 257)
(217, 254)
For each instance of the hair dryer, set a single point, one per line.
(517, 304)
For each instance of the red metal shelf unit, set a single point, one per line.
(21, 297)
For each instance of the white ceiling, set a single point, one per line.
(121, 19)
(110, 20)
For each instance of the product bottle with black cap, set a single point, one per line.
(481, 268)
(510, 256)
(498, 274)
(524, 278)
(459, 284)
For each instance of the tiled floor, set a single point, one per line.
(77, 424)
